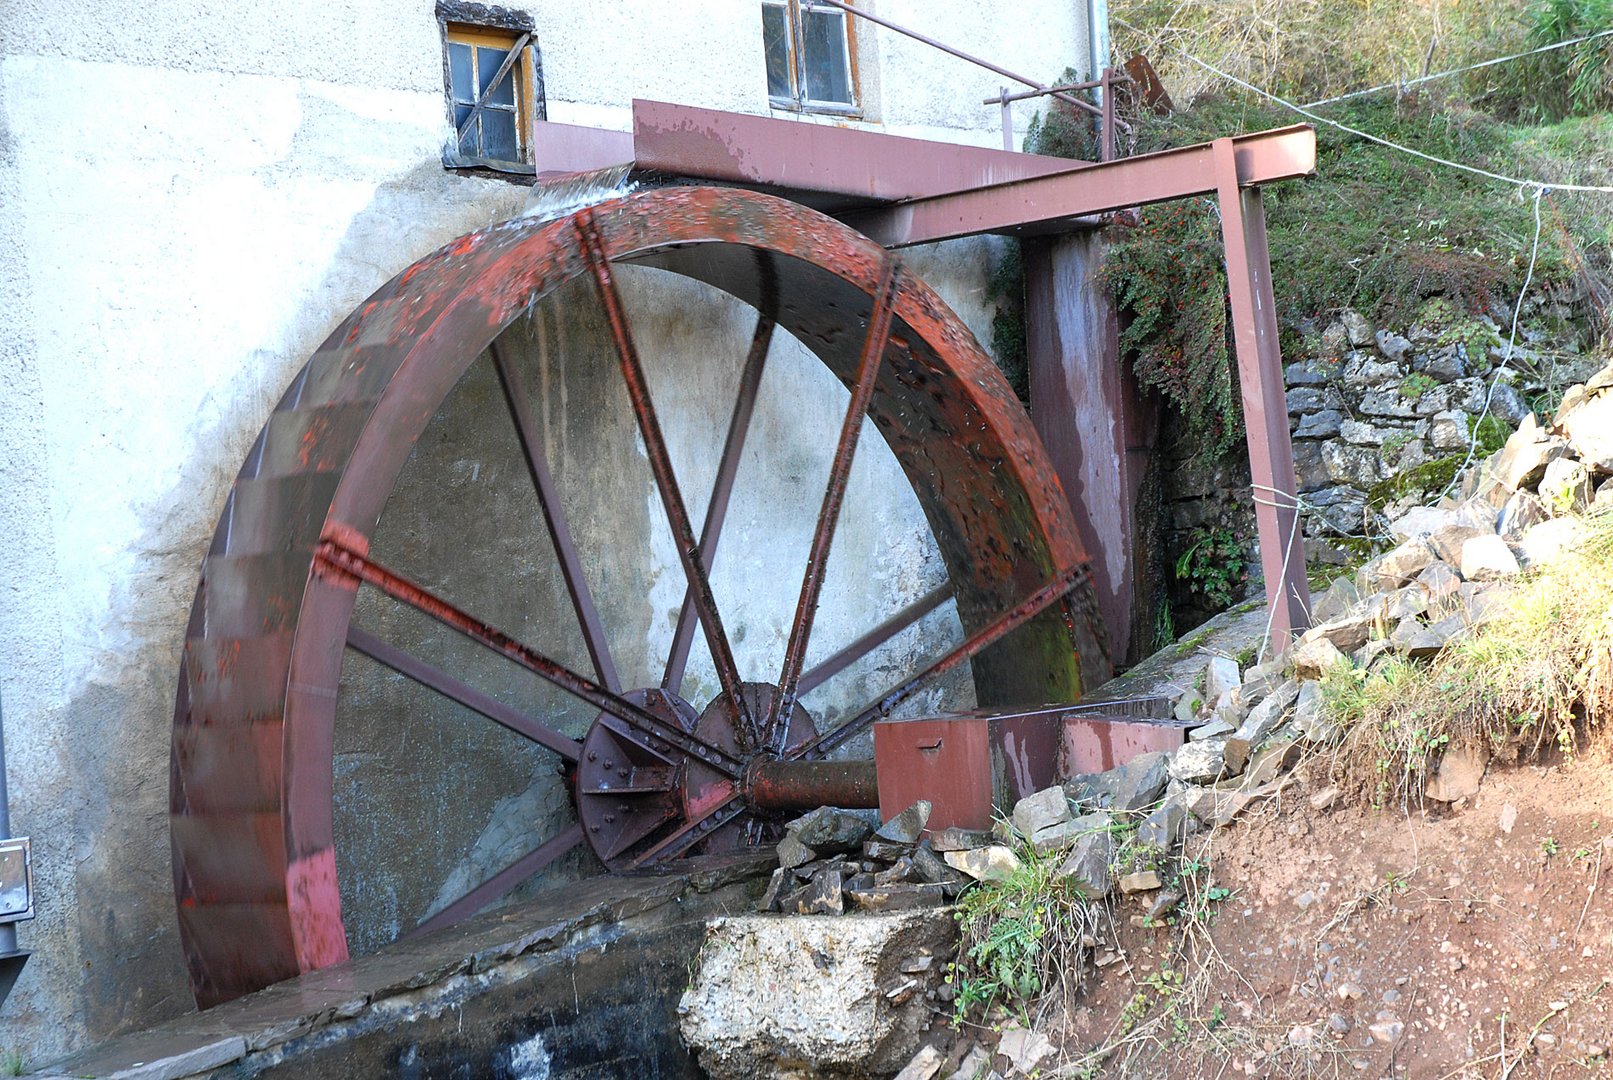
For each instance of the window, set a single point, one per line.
(494, 89)
(811, 62)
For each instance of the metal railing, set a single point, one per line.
(1103, 114)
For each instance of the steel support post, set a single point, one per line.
(1265, 406)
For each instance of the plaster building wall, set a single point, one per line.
(191, 196)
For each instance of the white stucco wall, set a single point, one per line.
(191, 196)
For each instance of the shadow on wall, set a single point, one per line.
(129, 970)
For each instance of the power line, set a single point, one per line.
(1515, 181)
(1506, 358)
(1458, 71)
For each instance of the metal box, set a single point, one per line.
(16, 880)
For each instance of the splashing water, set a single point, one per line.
(562, 195)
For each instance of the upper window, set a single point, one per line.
(493, 91)
(811, 62)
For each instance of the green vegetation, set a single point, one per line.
(1535, 681)
(1168, 279)
(1569, 82)
(1377, 230)
(1416, 384)
(1213, 567)
(1019, 938)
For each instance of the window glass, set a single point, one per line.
(776, 42)
(468, 142)
(487, 63)
(459, 71)
(498, 134)
(828, 76)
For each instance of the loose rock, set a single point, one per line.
(994, 863)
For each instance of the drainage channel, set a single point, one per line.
(581, 981)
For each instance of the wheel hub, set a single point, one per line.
(632, 787)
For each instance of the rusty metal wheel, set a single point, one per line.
(655, 776)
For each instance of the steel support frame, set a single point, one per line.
(1232, 170)
(1265, 400)
(1038, 198)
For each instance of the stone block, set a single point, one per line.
(1406, 602)
(1439, 580)
(1140, 881)
(1040, 811)
(1312, 659)
(773, 997)
(1087, 865)
(1487, 558)
(1220, 675)
(1339, 598)
(1347, 633)
(1139, 782)
(1523, 510)
(1528, 451)
(1200, 762)
(1067, 834)
(1565, 486)
(1392, 345)
(954, 838)
(1458, 777)
(1163, 828)
(1550, 541)
(1588, 426)
(993, 863)
(1353, 466)
(1419, 523)
(1401, 564)
(1319, 425)
(828, 830)
(1265, 718)
(1447, 540)
(908, 826)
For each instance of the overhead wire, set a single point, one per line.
(1310, 114)
(1381, 87)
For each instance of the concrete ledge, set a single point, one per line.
(303, 1025)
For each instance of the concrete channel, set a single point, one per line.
(582, 981)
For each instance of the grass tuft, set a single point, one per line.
(1021, 940)
(1538, 680)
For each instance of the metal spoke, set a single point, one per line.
(346, 562)
(462, 693)
(554, 517)
(692, 832)
(977, 642)
(638, 392)
(862, 392)
(821, 673)
(503, 881)
(750, 381)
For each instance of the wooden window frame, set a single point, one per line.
(799, 102)
(477, 25)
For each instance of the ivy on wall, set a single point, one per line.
(1167, 275)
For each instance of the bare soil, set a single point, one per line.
(1474, 940)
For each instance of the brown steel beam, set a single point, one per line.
(861, 166)
(1043, 203)
(1265, 408)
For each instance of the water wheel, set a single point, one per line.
(666, 768)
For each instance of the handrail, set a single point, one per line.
(959, 53)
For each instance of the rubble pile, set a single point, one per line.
(1114, 833)
(833, 861)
